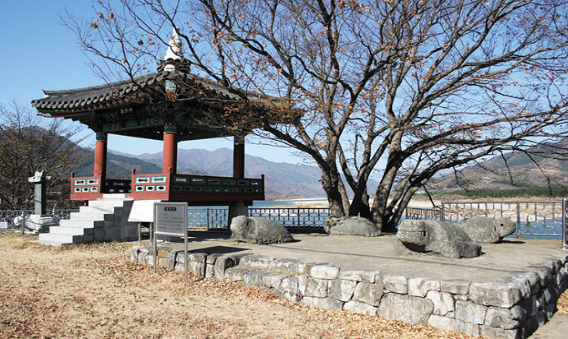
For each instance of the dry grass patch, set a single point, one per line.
(96, 291)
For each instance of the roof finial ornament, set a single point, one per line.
(174, 50)
(174, 60)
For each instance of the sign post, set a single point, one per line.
(170, 219)
(3, 226)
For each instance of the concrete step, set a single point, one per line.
(83, 223)
(95, 222)
(91, 216)
(71, 230)
(106, 203)
(98, 209)
(61, 239)
(114, 196)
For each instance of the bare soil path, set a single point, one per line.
(94, 291)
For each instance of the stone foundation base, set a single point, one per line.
(512, 307)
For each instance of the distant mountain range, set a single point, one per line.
(519, 170)
(282, 180)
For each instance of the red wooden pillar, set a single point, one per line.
(238, 207)
(169, 164)
(100, 157)
(239, 158)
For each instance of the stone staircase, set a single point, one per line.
(101, 221)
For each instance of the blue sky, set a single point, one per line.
(39, 52)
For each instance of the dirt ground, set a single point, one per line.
(95, 291)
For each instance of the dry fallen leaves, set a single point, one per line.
(562, 304)
(95, 291)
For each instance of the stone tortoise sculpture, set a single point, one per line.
(419, 236)
(35, 223)
(258, 230)
(487, 230)
(350, 225)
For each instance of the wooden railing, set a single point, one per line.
(195, 189)
(85, 188)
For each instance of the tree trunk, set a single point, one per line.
(360, 206)
(385, 222)
(331, 186)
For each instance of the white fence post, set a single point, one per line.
(519, 217)
(564, 221)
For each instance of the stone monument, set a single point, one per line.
(40, 222)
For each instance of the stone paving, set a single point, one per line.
(377, 253)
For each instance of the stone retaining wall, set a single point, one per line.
(513, 307)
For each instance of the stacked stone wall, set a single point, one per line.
(512, 307)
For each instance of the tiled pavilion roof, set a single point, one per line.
(88, 99)
(113, 107)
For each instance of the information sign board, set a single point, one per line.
(170, 218)
(3, 225)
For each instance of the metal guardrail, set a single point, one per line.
(533, 218)
(297, 218)
(210, 218)
(63, 213)
(545, 219)
(542, 219)
(565, 224)
(58, 214)
(9, 215)
(416, 213)
(292, 218)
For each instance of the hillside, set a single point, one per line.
(282, 180)
(119, 166)
(513, 170)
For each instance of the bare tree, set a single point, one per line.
(29, 143)
(395, 90)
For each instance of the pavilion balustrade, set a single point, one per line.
(85, 188)
(194, 189)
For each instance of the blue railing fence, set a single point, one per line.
(9, 215)
(533, 218)
(542, 219)
(293, 217)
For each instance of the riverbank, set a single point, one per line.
(323, 203)
(418, 202)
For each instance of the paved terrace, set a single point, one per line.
(509, 258)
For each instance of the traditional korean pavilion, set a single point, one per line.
(171, 105)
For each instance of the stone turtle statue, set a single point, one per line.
(350, 225)
(434, 236)
(487, 230)
(35, 223)
(258, 231)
